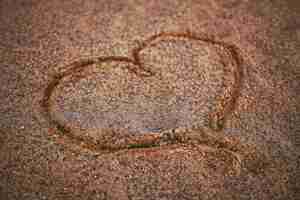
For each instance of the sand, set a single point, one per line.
(149, 99)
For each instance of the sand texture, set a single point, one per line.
(149, 99)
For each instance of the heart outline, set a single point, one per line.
(227, 103)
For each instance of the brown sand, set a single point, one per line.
(149, 99)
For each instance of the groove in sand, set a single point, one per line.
(225, 106)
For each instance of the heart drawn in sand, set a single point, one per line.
(174, 86)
